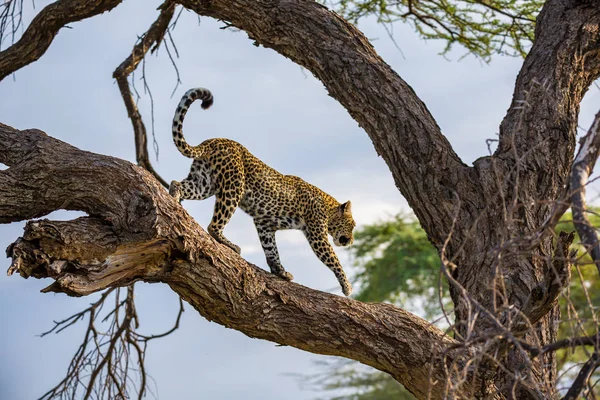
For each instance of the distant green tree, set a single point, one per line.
(394, 262)
(352, 381)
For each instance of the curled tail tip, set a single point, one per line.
(207, 103)
(199, 94)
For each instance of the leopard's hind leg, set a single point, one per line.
(229, 190)
(266, 227)
(197, 186)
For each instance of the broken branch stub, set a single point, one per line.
(84, 256)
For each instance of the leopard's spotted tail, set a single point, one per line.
(188, 98)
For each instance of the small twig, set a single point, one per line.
(568, 343)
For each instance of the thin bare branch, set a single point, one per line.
(149, 41)
(582, 168)
(583, 377)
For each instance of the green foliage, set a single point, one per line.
(583, 275)
(482, 27)
(395, 262)
(353, 381)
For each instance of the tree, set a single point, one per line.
(492, 224)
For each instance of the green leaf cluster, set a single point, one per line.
(395, 262)
(482, 27)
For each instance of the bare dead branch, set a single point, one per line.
(569, 343)
(582, 168)
(11, 15)
(583, 377)
(150, 40)
(44, 27)
(146, 338)
(97, 365)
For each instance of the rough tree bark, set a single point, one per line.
(489, 221)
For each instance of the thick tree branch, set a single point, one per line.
(136, 231)
(44, 27)
(541, 123)
(424, 166)
(562, 64)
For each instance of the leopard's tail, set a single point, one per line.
(188, 98)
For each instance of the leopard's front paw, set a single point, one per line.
(285, 275)
(175, 190)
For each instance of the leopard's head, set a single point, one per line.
(341, 225)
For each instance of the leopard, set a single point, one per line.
(227, 170)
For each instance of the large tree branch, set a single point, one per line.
(541, 124)
(525, 181)
(44, 27)
(562, 64)
(136, 231)
(424, 166)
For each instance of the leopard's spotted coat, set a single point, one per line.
(226, 169)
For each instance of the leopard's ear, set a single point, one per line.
(345, 208)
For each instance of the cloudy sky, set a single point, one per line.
(281, 114)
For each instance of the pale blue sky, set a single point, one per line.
(281, 114)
